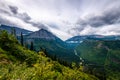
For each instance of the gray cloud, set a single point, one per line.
(106, 18)
(38, 24)
(8, 11)
(4, 12)
(6, 22)
(13, 9)
(71, 17)
(24, 16)
(106, 22)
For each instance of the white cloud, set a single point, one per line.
(103, 30)
(64, 14)
(61, 34)
(13, 21)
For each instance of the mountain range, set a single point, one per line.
(101, 58)
(17, 30)
(79, 39)
(100, 55)
(54, 46)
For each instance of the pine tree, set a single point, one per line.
(31, 46)
(13, 31)
(21, 39)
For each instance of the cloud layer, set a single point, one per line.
(106, 23)
(65, 18)
(9, 15)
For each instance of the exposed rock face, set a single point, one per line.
(42, 34)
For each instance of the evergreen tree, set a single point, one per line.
(31, 46)
(13, 32)
(21, 39)
(54, 57)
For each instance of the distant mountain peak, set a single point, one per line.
(42, 29)
(42, 34)
(92, 37)
(18, 30)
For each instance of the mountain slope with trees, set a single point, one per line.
(17, 30)
(54, 46)
(18, 62)
(102, 58)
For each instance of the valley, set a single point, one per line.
(97, 55)
(59, 39)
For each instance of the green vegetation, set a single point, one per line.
(54, 49)
(21, 39)
(102, 58)
(19, 63)
(92, 51)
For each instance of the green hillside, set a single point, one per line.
(92, 51)
(102, 58)
(54, 48)
(19, 63)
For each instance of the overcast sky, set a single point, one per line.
(64, 18)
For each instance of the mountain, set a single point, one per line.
(79, 39)
(101, 37)
(92, 51)
(18, 62)
(54, 46)
(18, 30)
(76, 39)
(101, 58)
(43, 34)
(96, 52)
